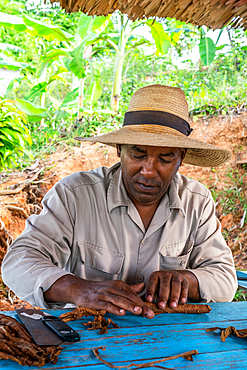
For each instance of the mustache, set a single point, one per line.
(146, 182)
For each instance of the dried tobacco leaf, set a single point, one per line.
(80, 312)
(225, 332)
(16, 344)
(100, 323)
(181, 308)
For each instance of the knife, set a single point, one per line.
(45, 329)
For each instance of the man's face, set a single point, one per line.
(148, 170)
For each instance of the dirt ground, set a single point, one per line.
(21, 192)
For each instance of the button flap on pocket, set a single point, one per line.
(102, 259)
(174, 263)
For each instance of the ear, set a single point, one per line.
(183, 153)
(118, 150)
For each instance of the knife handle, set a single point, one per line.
(62, 329)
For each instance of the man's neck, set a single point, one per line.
(146, 211)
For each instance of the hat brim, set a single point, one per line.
(198, 152)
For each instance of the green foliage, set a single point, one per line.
(49, 60)
(14, 134)
(240, 295)
(233, 197)
(207, 50)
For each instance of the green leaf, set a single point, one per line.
(55, 102)
(84, 25)
(10, 87)
(29, 108)
(48, 31)
(71, 99)
(94, 92)
(13, 65)
(12, 135)
(77, 64)
(161, 38)
(51, 57)
(99, 24)
(220, 47)
(207, 50)
(90, 27)
(13, 22)
(35, 91)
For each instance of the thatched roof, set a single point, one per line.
(211, 13)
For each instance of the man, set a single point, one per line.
(107, 236)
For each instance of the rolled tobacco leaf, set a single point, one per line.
(16, 344)
(225, 332)
(181, 308)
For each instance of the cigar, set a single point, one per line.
(181, 308)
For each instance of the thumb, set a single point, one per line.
(138, 288)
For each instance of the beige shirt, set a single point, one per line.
(89, 227)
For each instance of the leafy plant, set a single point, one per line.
(14, 134)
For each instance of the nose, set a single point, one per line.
(149, 170)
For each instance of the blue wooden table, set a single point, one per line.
(142, 340)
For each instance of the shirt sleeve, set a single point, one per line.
(42, 253)
(211, 260)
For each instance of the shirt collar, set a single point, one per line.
(117, 195)
(173, 192)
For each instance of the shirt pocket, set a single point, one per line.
(180, 262)
(100, 260)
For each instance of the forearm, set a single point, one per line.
(67, 289)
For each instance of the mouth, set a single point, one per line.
(146, 188)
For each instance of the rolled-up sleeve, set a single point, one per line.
(211, 260)
(42, 254)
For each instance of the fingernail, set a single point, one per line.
(162, 304)
(150, 313)
(183, 300)
(149, 298)
(173, 304)
(136, 309)
(122, 311)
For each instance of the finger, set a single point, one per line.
(124, 297)
(176, 289)
(164, 290)
(123, 303)
(111, 308)
(147, 312)
(138, 288)
(152, 286)
(184, 292)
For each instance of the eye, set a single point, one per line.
(165, 161)
(139, 156)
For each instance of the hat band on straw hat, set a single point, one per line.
(157, 118)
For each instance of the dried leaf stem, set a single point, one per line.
(186, 355)
(23, 184)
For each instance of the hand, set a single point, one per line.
(175, 286)
(114, 296)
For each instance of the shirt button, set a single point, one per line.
(140, 278)
(144, 241)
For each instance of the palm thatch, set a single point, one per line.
(211, 13)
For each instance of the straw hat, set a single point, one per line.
(158, 116)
